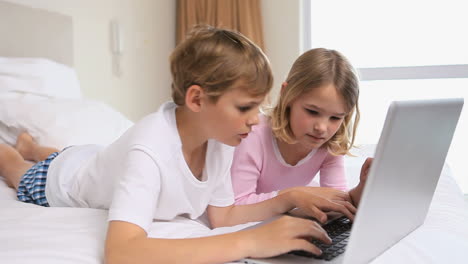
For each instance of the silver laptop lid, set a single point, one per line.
(408, 161)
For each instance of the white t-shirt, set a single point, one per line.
(142, 176)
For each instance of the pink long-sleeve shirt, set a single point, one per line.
(259, 171)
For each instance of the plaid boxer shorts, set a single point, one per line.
(31, 188)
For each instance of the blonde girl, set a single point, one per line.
(310, 129)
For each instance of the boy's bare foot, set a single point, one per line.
(24, 145)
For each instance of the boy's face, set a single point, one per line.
(316, 116)
(231, 118)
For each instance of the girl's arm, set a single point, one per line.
(128, 243)
(312, 204)
(244, 175)
(332, 172)
(245, 171)
(332, 179)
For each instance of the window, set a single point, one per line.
(403, 50)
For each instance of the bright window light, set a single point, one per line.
(375, 33)
(398, 33)
(376, 96)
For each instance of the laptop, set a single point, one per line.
(408, 161)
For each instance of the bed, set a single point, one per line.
(32, 99)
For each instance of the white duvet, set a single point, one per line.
(36, 235)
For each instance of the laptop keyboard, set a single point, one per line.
(338, 230)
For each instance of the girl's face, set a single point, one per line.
(316, 116)
(231, 118)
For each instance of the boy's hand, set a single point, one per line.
(315, 206)
(284, 235)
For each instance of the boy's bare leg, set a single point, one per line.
(30, 150)
(12, 165)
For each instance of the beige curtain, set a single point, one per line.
(240, 15)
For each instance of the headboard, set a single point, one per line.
(32, 32)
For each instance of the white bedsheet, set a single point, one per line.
(36, 235)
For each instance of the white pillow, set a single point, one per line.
(38, 76)
(59, 122)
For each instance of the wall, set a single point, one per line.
(148, 38)
(282, 31)
(148, 30)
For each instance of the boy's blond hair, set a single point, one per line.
(313, 69)
(217, 60)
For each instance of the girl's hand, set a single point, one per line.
(356, 192)
(365, 170)
(284, 235)
(315, 206)
(328, 193)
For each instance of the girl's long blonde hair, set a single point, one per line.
(313, 69)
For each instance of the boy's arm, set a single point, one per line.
(128, 243)
(314, 205)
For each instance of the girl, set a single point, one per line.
(308, 131)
